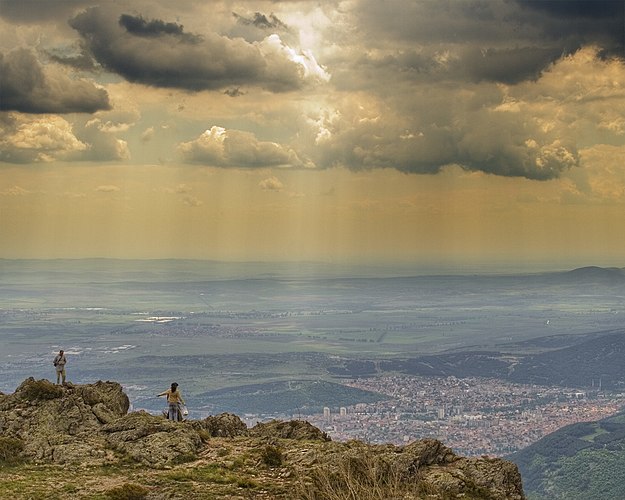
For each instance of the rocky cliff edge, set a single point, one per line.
(72, 434)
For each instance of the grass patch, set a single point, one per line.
(598, 431)
(128, 491)
(11, 450)
(212, 473)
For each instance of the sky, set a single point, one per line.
(359, 131)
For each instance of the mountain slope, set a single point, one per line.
(598, 358)
(578, 365)
(584, 461)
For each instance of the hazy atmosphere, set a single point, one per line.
(358, 131)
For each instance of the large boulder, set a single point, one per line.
(222, 425)
(293, 429)
(151, 440)
(61, 423)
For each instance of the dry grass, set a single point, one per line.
(358, 477)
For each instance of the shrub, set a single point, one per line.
(272, 456)
(33, 390)
(128, 491)
(11, 450)
(204, 435)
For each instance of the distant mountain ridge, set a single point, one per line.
(599, 359)
(609, 275)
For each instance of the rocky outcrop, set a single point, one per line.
(294, 429)
(61, 423)
(423, 469)
(89, 424)
(222, 425)
(151, 440)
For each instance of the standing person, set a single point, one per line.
(59, 364)
(174, 398)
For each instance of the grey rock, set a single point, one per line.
(293, 429)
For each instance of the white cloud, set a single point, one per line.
(273, 46)
(219, 147)
(148, 134)
(271, 184)
(38, 138)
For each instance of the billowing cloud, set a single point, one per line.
(28, 87)
(219, 147)
(162, 54)
(103, 145)
(26, 138)
(497, 129)
(45, 138)
(271, 184)
(484, 141)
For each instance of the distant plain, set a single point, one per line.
(211, 326)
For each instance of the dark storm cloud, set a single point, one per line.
(83, 62)
(28, 88)
(162, 55)
(578, 9)
(506, 65)
(496, 148)
(234, 92)
(136, 25)
(482, 129)
(600, 22)
(504, 41)
(33, 11)
(458, 21)
(261, 21)
(467, 64)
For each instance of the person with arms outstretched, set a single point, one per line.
(174, 399)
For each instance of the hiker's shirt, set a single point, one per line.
(59, 362)
(173, 398)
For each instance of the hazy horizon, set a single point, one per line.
(237, 269)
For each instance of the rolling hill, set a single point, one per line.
(584, 461)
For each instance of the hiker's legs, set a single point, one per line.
(63, 375)
(173, 412)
